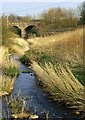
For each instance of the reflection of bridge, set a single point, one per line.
(23, 27)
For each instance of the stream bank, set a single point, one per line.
(38, 102)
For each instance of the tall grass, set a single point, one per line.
(6, 80)
(50, 57)
(6, 60)
(8, 65)
(61, 84)
(7, 83)
(19, 46)
(67, 46)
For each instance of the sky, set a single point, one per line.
(33, 8)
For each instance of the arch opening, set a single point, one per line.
(31, 31)
(16, 30)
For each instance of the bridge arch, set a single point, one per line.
(16, 30)
(31, 30)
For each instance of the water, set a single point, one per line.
(38, 101)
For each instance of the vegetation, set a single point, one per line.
(8, 76)
(6, 33)
(18, 107)
(79, 73)
(26, 71)
(7, 85)
(58, 61)
(64, 47)
(11, 40)
(16, 18)
(51, 21)
(12, 71)
(82, 14)
(25, 60)
(57, 19)
(62, 85)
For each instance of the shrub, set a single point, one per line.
(79, 73)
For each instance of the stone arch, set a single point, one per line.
(31, 30)
(16, 30)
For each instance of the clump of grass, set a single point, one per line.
(61, 84)
(12, 71)
(18, 107)
(9, 66)
(6, 59)
(7, 84)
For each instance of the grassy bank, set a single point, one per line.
(8, 74)
(9, 66)
(58, 63)
(61, 84)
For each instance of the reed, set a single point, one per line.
(61, 84)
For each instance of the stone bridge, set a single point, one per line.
(24, 28)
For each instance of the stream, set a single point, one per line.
(38, 101)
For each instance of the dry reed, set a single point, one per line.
(61, 84)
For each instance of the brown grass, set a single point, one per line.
(61, 84)
(59, 80)
(6, 59)
(67, 46)
(19, 46)
(6, 82)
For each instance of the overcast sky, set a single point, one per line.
(33, 8)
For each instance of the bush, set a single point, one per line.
(79, 73)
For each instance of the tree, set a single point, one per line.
(82, 14)
(56, 19)
(16, 18)
(6, 33)
(26, 18)
(12, 17)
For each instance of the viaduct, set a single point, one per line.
(24, 28)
